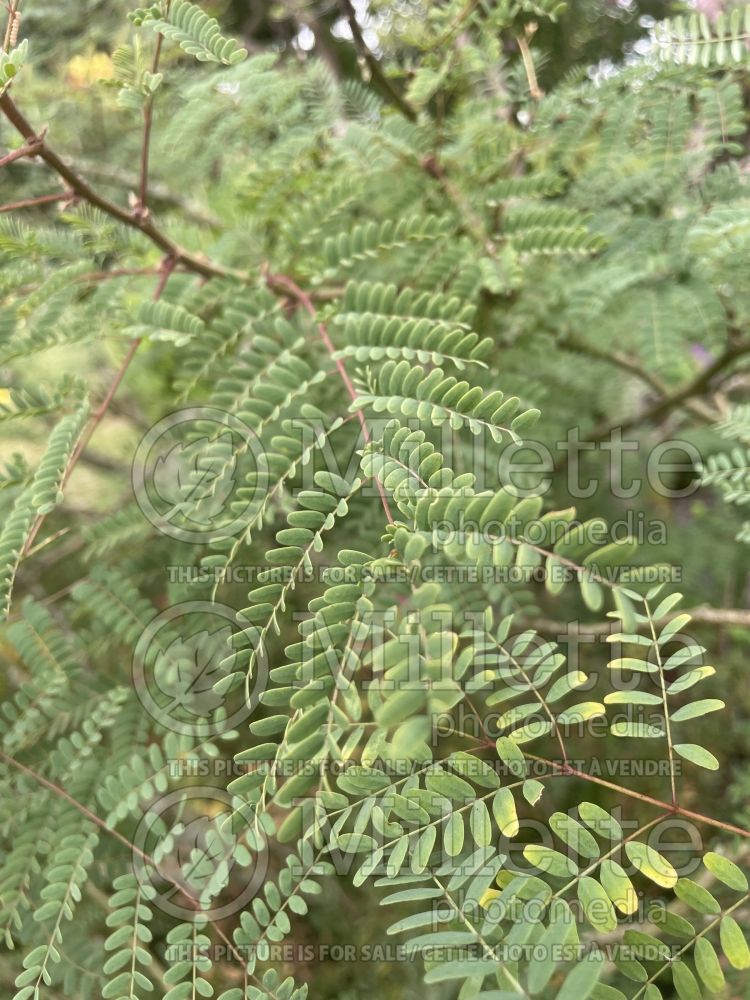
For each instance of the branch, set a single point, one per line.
(30, 148)
(81, 187)
(61, 793)
(284, 284)
(472, 222)
(149, 860)
(376, 73)
(148, 121)
(633, 367)
(702, 615)
(166, 270)
(662, 407)
(42, 199)
(566, 769)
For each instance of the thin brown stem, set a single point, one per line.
(563, 769)
(28, 149)
(61, 793)
(630, 365)
(11, 28)
(664, 700)
(703, 615)
(148, 121)
(283, 283)
(117, 272)
(96, 418)
(469, 218)
(369, 59)
(42, 199)
(540, 698)
(658, 410)
(98, 821)
(144, 224)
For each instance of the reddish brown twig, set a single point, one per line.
(42, 199)
(30, 148)
(566, 769)
(283, 283)
(147, 858)
(95, 419)
(81, 187)
(148, 121)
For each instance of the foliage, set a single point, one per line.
(346, 306)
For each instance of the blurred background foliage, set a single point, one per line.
(640, 206)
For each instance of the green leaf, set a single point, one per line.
(532, 791)
(688, 679)
(547, 955)
(685, 983)
(671, 923)
(480, 823)
(697, 755)
(549, 861)
(574, 835)
(696, 896)
(697, 709)
(582, 979)
(581, 712)
(511, 756)
(725, 871)
(618, 886)
(478, 770)
(462, 969)
(421, 856)
(454, 835)
(651, 864)
(451, 786)
(636, 730)
(532, 731)
(400, 706)
(600, 821)
(354, 843)
(708, 966)
(733, 943)
(504, 811)
(596, 904)
(630, 663)
(632, 698)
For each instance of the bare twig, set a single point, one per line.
(680, 396)
(633, 367)
(42, 199)
(30, 148)
(668, 807)
(471, 221)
